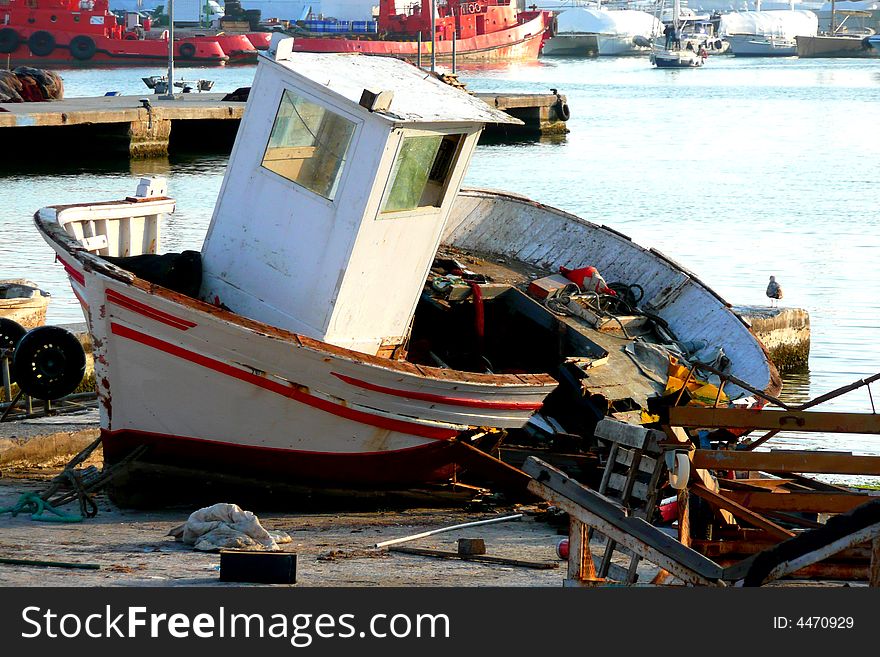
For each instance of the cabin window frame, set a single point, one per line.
(463, 133)
(342, 173)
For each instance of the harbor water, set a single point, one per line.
(740, 170)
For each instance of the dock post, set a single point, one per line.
(454, 39)
(419, 54)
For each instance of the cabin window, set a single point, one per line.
(421, 172)
(308, 145)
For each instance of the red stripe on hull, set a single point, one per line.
(148, 311)
(429, 463)
(289, 391)
(441, 399)
(73, 273)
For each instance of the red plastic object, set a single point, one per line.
(562, 549)
(587, 278)
(669, 512)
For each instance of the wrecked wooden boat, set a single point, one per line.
(354, 319)
(23, 302)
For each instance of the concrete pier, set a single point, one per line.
(147, 126)
(544, 114)
(136, 126)
(784, 331)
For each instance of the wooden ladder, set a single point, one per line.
(631, 479)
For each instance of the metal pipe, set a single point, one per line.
(433, 37)
(395, 541)
(419, 55)
(169, 89)
(454, 39)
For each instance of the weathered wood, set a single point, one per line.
(800, 421)
(580, 559)
(629, 435)
(618, 482)
(787, 461)
(740, 511)
(798, 502)
(481, 558)
(642, 538)
(869, 533)
(646, 463)
(756, 484)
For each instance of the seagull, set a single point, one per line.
(774, 291)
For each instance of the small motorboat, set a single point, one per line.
(23, 302)
(356, 320)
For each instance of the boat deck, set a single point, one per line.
(618, 377)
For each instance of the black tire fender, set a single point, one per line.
(187, 50)
(562, 110)
(10, 40)
(49, 362)
(41, 43)
(82, 47)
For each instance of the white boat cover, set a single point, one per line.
(599, 21)
(781, 23)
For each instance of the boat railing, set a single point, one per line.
(116, 228)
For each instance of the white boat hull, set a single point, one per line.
(747, 45)
(205, 389)
(592, 45)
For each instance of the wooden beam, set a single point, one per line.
(580, 559)
(632, 533)
(868, 533)
(740, 511)
(798, 502)
(787, 461)
(741, 418)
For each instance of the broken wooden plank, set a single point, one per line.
(634, 533)
(801, 421)
(481, 558)
(810, 547)
(629, 435)
(722, 502)
(787, 461)
(758, 484)
(787, 567)
(798, 502)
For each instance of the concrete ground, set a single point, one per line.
(133, 548)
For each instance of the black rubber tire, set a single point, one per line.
(187, 50)
(82, 47)
(10, 40)
(10, 333)
(41, 43)
(563, 111)
(49, 362)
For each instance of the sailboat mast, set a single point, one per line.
(676, 13)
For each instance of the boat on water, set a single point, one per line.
(23, 302)
(767, 33)
(356, 320)
(678, 51)
(480, 31)
(44, 33)
(599, 32)
(839, 40)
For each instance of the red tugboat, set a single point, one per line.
(483, 31)
(87, 33)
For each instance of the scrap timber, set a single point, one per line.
(589, 509)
